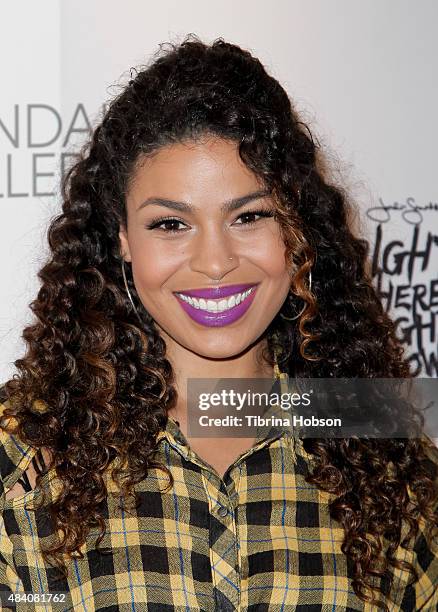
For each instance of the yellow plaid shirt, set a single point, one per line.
(258, 539)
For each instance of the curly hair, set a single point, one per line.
(94, 386)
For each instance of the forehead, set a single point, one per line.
(193, 168)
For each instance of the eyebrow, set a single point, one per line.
(226, 207)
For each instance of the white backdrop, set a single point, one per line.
(361, 74)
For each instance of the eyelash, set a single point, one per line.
(160, 220)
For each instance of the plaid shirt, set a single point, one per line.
(258, 539)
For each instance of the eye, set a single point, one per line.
(255, 213)
(169, 223)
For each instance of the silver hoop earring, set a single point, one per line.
(128, 292)
(304, 307)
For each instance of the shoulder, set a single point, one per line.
(426, 564)
(421, 594)
(14, 453)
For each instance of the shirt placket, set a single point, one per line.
(224, 531)
(224, 556)
(224, 546)
(223, 543)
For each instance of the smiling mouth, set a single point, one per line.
(217, 305)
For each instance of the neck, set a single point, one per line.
(189, 365)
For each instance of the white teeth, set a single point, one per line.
(223, 304)
(216, 305)
(211, 306)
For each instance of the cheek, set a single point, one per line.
(153, 264)
(270, 256)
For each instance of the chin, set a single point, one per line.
(220, 351)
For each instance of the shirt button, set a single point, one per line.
(222, 511)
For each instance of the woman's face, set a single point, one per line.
(214, 274)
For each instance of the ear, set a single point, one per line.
(124, 244)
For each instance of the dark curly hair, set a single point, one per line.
(103, 382)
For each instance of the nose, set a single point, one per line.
(213, 255)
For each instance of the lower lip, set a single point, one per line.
(218, 319)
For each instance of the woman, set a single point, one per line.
(199, 237)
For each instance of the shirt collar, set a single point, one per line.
(268, 433)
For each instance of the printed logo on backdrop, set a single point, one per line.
(405, 272)
(38, 145)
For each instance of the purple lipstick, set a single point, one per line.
(217, 306)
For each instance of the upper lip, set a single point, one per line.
(217, 292)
